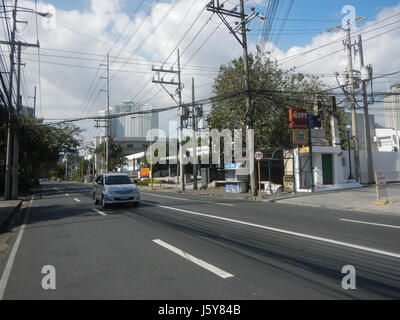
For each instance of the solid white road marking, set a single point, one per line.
(77, 200)
(67, 195)
(183, 199)
(370, 223)
(11, 258)
(296, 234)
(201, 263)
(99, 212)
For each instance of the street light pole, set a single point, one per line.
(349, 147)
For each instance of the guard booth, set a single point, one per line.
(236, 178)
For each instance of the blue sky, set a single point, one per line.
(84, 33)
(326, 14)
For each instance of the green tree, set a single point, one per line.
(116, 155)
(42, 146)
(274, 90)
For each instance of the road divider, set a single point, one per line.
(201, 263)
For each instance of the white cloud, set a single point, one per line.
(64, 88)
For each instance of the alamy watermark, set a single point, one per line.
(350, 15)
(49, 280)
(349, 281)
(205, 150)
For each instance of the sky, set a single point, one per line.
(138, 34)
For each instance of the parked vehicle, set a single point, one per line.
(115, 188)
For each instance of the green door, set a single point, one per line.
(327, 169)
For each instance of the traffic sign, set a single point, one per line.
(259, 155)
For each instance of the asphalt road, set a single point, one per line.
(178, 247)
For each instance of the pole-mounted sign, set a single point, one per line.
(259, 155)
(298, 118)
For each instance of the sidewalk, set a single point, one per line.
(360, 199)
(353, 199)
(7, 208)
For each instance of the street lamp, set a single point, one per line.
(27, 10)
(348, 129)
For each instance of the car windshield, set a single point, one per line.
(116, 180)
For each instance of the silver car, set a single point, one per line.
(115, 188)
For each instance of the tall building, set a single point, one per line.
(133, 126)
(392, 108)
(129, 131)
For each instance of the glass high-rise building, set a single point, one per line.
(135, 125)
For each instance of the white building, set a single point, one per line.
(387, 140)
(392, 108)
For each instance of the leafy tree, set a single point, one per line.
(116, 155)
(274, 90)
(42, 146)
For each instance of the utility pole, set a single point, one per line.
(353, 105)
(195, 142)
(10, 106)
(348, 46)
(66, 167)
(215, 7)
(99, 124)
(182, 165)
(367, 132)
(15, 173)
(182, 109)
(34, 104)
(107, 78)
(13, 133)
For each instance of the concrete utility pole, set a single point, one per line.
(216, 7)
(353, 105)
(249, 107)
(182, 165)
(367, 131)
(107, 78)
(108, 116)
(195, 144)
(10, 132)
(15, 173)
(34, 104)
(182, 110)
(348, 46)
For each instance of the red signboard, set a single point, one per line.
(145, 172)
(298, 118)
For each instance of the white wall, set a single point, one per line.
(387, 162)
